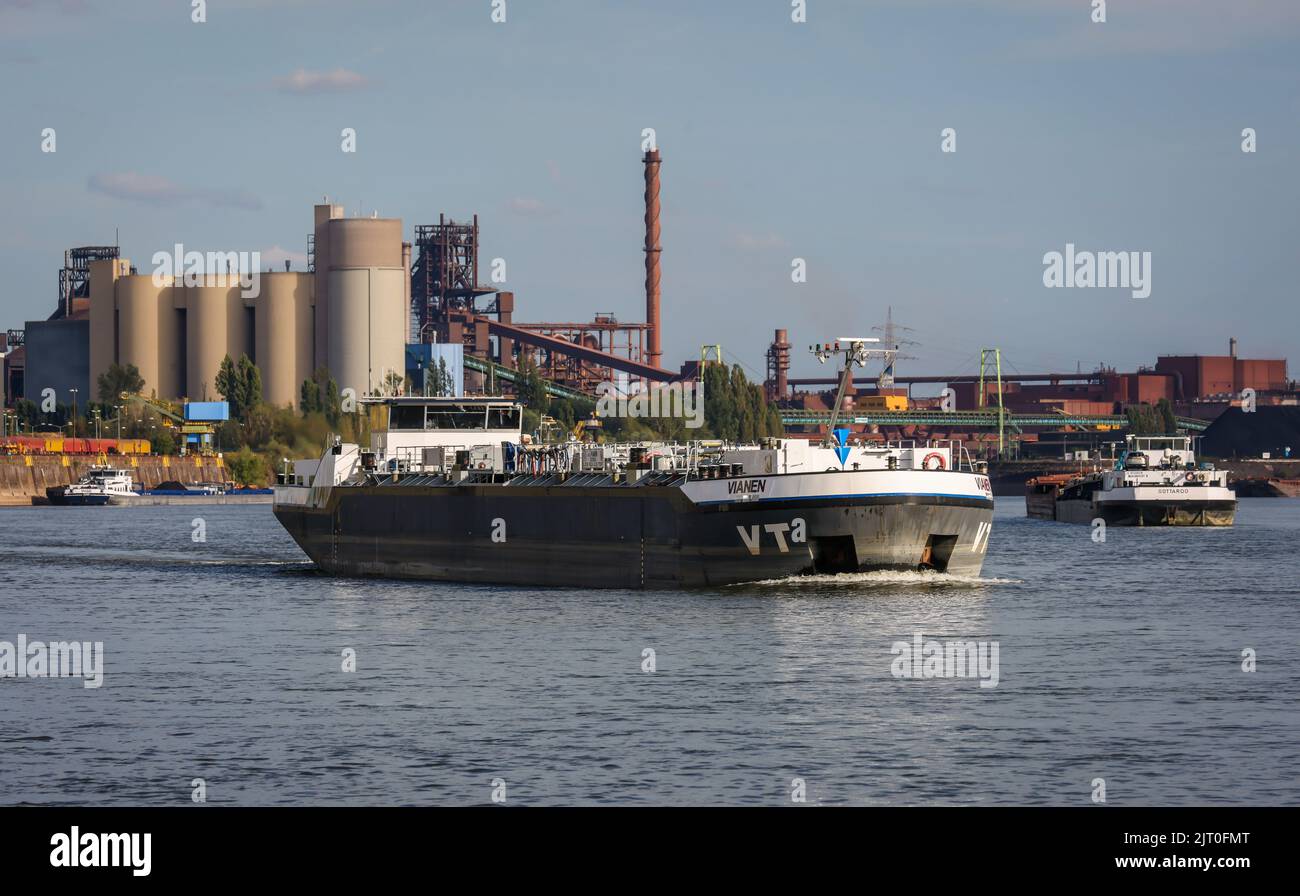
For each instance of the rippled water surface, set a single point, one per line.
(1119, 660)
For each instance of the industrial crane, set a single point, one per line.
(195, 421)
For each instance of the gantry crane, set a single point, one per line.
(199, 432)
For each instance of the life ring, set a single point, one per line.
(933, 455)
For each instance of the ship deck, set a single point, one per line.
(573, 480)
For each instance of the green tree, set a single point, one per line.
(1145, 420)
(246, 467)
(250, 385)
(1167, 418)
(1136, 420)
(257, 428)
(530, 386)
(28, 412)
(162, 441)
(736, 409)
(309, 399)
(320, 395)
(227, 384)
(239, 384)
(118, 379)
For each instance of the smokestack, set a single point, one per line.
(778, 366)
(652, 249)
(1232, 346)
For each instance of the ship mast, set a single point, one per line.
(855, 352)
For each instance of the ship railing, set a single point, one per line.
(960, 457)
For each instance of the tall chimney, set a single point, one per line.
(652, 249)
(778, 366)
(1232, 346)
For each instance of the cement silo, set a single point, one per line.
(349, 315)
(140, 307)
(322, 215)
(207, 326)
(239, 323)
(103, 315)
(284, 336)
(365, 305)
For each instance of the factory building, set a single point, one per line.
(56, 359)
(1207, 376)
(347, 313)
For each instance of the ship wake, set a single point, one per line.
(886, 578)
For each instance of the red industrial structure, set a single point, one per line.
(778, 367)
(1196, 385)
(1207, 376)
(449, 304)
(652, 251)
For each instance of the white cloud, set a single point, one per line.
(338, 80)
(156, 190)
(275, 257)
(524, 205)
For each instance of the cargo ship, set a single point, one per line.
(452, 490)
(1155, 481)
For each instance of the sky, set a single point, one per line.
(818, 140)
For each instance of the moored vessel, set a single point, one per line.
(178, 493)
(96, 488)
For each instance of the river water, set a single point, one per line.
(1119, 662)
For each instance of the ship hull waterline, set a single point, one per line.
(1215, 513)
(60, 497)
(647, 537)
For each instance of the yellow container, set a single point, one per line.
(882, 403)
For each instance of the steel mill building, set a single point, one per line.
(348, 313)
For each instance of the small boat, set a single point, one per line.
(94, 489)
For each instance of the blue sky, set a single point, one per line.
(780, 140)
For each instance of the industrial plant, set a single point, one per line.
(378, 312)
(371, 308)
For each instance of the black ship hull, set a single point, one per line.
(1148, 513)
(647, 537)
(59, 495)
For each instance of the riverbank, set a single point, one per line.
(26, 477)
